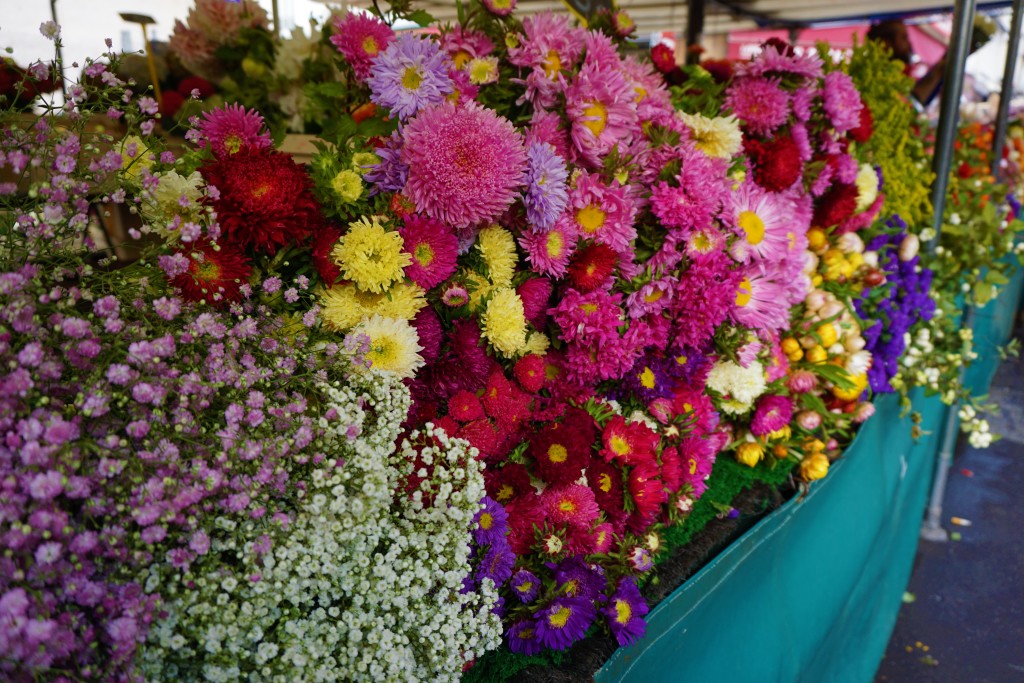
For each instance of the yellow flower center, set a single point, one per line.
(383, 352)
(557, 453)
(588, 308)
(424, 254)
(555, 244)
(207, 271)
(525, 587)
(702, 243)
(505, 493)
(598, 115)
(744, 293)
(601, 536)
(623, 612)
(591, 218)
(619, 445)
(752, 225)
(486, 521)
(641, 93)
(647, 378)
(461, 58)
(680, 360)
(571, 587)
(560, 618)
(552, 64)
(693, 466)
(605, 482)
(412, 78)
(370, 46)
(232, 143)
(653, 295)
(567, 505)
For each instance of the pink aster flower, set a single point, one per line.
(702, 245)
(463, 45)
(547, 45)
(433, 248)
(775, 60)
(802, 381)
(500, 8)
(549, 252)
(571, 505)
(600, 51)
(761, 301)
(232, 128)
(653, 102)
(466, 164)
(841, 101)
(759, 103)
(762, 222)
(589, 316)
(603, 213)
(652, 298)
(546, 126)
(772, 414)
(360, 38)
(601, 108)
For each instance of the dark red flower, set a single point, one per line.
(506, 483)
(605, 480)
(323, 243)
(464, 406)
(783, 48)
(720, 69)
(591, 266)
(482, 435)
(535, 293)
(835, 206)
(776, 163)
(664, 58)
(529, 372)
(170, 103)
(648, 494)
(264, 199)
(214, 275)
(524, 513)
(671, 469)
(199, 83)
(863, 131)
(560, 451)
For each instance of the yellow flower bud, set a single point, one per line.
(781, 434)
(816, 239)
(860, 382)
(780, 450)
(855, 260)
(750, 453)
(789, 345)
(814, 466)
(816, 354)
(795, 356)
(828, 334)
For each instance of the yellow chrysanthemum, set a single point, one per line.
(394, 345)
(370, 255)
(348, 186)
(719, 138)
(483, 70)
(867, 187)
(504, 323)
(135, 156)
(498, 249)
(537, 343)
(344, 306)
(479, 289)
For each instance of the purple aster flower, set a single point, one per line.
(410, 75)
(497, 563)
(524, 639)
(625, 611)
(525, 585)
(564, 621)
(640, 559)
(577, 579)
(546, 194)
(492, 522)
(649, 380)
(391, 174)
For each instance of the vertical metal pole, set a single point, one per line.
(1006, 94)
(694, 28)
(949, 113)
(60, 52)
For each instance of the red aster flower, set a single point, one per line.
(591, 266)
(510, 481)
(663, 57)
(511, 413)
(524, 513)
(214, 275)
(570, 505)
(648, 494)
(605, 480)
(671, 469)
(187, 85)
(698, 455)
(863, 131)
(482, 435)
(835, 206)
(497, 391)
(465, 406)
(535, 293)
(559, 455)
(428, 328)
(604, 538)
(630, 443)
(447, 425)
(264, 199)
(323, 243)
(776, 163)
(529, 372)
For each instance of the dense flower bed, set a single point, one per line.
(459, 383)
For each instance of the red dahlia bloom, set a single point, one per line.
(776, 163)
(214, 275)
(591, 266)
(835, 206)
(323, 243)
(863, 131)
(264, 199)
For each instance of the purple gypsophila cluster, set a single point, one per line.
(903, 301)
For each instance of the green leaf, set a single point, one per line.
(835, 374)
(421, 17)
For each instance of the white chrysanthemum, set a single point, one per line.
(867, 187)
(719, 138)
(739, 386)
(175, 195)
(394, 345)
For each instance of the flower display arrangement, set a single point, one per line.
(441, 403)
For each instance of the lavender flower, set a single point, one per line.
(410, 75)
(546, 194)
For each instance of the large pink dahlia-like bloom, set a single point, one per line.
(466, 164)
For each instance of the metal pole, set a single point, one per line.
(694, 28)
(953, 83)
(1006, 94)
(932, 529)
(60, 52)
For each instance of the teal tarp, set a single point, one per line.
(812, 592)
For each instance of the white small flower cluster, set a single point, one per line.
(361, 583)
(739, 386)
(976, 428)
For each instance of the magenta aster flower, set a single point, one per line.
(564, 621)
(546, 126)
(571, 505)
(465, 164)
(603, 213)
(433, 248)
(625, 612)
(772, 414)
(763, 222)
(653, 102)
(546, 196)
(652, 298)
(587, 316)
(802, 381)
(501, 8)
(774, 61)
(463, 45)
(232, 129)
(601, 108)
(761, 301)
(360, 38)
(547, 46)
(841, 101)
(549, 252)
(759, 103)
(410, 75)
